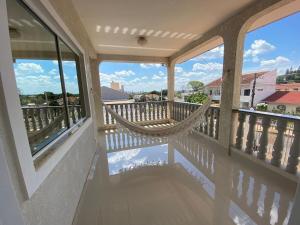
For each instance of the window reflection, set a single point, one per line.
(71, 70)
(47, 89)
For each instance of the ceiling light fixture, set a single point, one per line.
(142, 40)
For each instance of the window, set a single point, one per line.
(47, 76)
(247, 92)
(210, 92)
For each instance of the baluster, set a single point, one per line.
(26, 115)
(166, 110)
(206, 123)
(78, 109)
(251, 134)
(263, 142)
(145, 112)
(240, 131)
(114, 107)
(211, 123)
(149, 111)
(73, 114)
(141, 111)
(136, 112)
(131, 112)
(122, 110)
(46, 116)
(153, 111)
(217, 124)
(106, 116)
(294, 151)
(52, 114)
(268, 202)
(161, 110)
(126, 111)
(279, 142)
(39, 118)
(157, 110)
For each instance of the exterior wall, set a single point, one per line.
(55, 201)
(265, 86)
(267, 82)
(289, 108)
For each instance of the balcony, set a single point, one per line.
(71, 164)
(187, 179)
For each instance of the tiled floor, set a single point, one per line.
(190, 180)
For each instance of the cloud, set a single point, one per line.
(149, 65)
(124, 73)
(215, 53)
(279, 61)
(211, 66)
(257, 48)
(156, 77)
(178, 69)
(28, 68)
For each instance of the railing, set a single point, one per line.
(181, 110)
(42, 119)
(138, 111)
(269, 137)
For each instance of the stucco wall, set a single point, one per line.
(56, 200)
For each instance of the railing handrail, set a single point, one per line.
(269, 114)
(128, 103)
(46, 106)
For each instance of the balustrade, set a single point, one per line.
(270, 137)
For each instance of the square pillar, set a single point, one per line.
(171, 87)
(232, 70)
(96, 92)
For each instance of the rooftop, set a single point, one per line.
(283, 97)
(246, 79)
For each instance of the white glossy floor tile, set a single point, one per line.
(189, 180)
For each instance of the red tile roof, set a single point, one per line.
(284, 97)
(288, 86)
(246, 79)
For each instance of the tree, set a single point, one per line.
(196, 85)
(197, 98)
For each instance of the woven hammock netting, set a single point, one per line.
(195, 119)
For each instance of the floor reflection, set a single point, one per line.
(187, 180)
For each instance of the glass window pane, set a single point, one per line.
(70, 65)
(37, 74)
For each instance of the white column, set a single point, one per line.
(232, 69)
(96, 92)
(171, 87)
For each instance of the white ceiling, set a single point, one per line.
(113, 25)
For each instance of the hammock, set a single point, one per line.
(193, 120)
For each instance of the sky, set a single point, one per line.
(275, 46)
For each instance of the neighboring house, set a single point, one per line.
(288, 87)
(265, 86)
(284, 102)
(109, 94)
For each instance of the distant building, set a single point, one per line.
(288, 87)
(117, 86)
(264, 87)
(109, 94)
(284, 102)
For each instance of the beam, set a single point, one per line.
(132, 58)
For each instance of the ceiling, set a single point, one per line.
(114, 25)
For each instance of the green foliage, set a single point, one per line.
(291, 75)
(197, 98)
(196, 85)
(262, 107)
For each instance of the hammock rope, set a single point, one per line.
(193, 120)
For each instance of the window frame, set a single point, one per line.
(33, 170)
